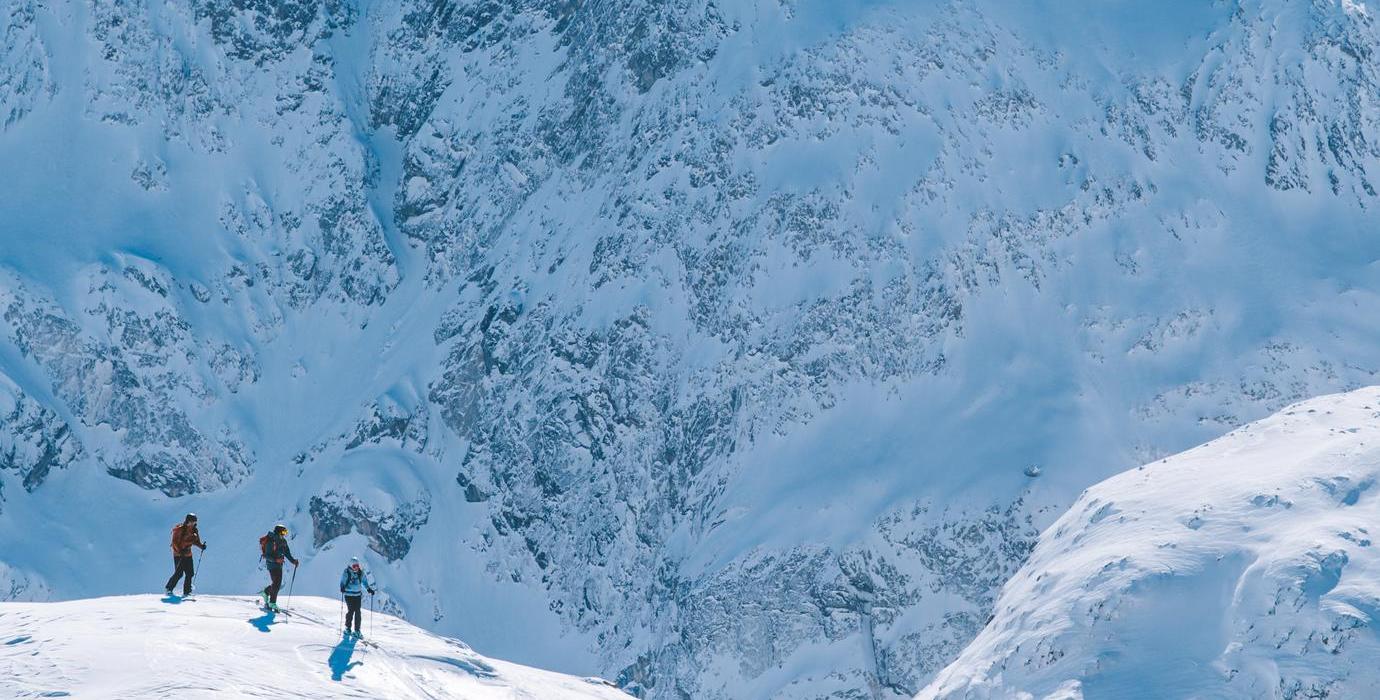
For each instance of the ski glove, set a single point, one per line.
(203, 546)
(371, 591)
(342, 589)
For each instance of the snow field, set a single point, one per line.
(145, 646)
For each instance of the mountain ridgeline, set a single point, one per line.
(709, 347)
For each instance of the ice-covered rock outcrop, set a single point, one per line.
(1245, 568)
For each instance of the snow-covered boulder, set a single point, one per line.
(1244, 568)
(216, 646)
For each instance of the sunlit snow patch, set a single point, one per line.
(215, 646)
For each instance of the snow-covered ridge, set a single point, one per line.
(215, 646)
(1245, 568)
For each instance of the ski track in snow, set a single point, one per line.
(148, 646)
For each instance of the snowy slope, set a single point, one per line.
(1245, 568)
(147, 647)
(700, 345)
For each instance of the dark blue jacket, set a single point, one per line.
(276, 550)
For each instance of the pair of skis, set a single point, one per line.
(361, 640)
(285, 611)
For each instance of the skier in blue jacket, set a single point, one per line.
(354, 581)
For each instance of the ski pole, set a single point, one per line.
(199, 555)
(342, 613)
(371, 617)
(290, 585)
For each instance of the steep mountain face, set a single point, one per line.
(714, 344)
(1239, 569)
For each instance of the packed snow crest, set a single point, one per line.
(144, 647)
(1245, 568)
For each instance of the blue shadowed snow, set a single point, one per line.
(70, 201)
(342, 659)
(1123, 34)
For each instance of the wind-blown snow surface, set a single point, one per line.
(146, 647)
(1245, 568)
(699, 345)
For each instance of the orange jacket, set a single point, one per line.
(184, 537)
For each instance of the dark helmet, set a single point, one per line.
(191, 518)
(280, 529)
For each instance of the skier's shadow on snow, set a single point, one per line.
(264, 621)
(340, 659)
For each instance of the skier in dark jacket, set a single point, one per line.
(353, 582)
(184, 537)
(275, 551)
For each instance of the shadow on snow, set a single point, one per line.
(340, 659)
(263, 622)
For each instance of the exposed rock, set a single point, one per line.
(33, 439)
(389, 531)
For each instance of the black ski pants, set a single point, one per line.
(275, 573)
(182, 566)
(352, 613)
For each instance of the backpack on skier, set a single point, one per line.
(269, 549)
(273, 547)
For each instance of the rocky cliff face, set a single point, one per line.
(719, 339)
(36, 440)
